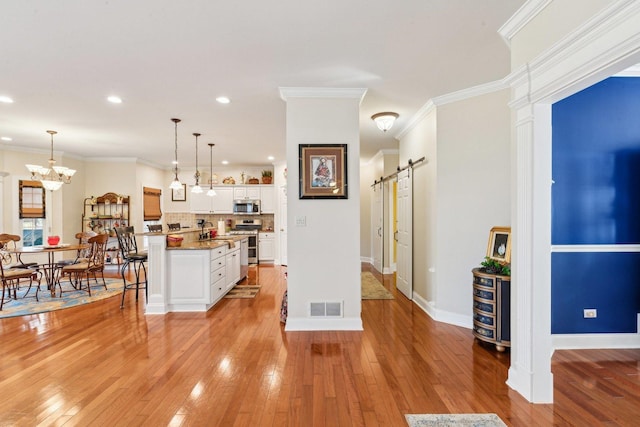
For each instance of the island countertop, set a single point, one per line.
(210, 243)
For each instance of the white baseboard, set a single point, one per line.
(367, 260)
(593, 341)
(441, 315)
(306, 324)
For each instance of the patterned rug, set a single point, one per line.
(454, 420)
(243, 291)
(372, 288)
(29, 305)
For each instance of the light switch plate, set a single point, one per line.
(301, 221)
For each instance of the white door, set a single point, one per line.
(282, 220)
(404, 275)
(377, 226)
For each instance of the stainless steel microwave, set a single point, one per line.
(246, 207)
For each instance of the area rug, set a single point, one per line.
(25, 306)
(243, 291)
(372, 288)
(454, 420)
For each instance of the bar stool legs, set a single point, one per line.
(141, 278)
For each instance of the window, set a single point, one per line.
(151, 203)
(32, 212)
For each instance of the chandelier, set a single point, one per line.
(196, 188)
(176, 184)
(211, 191)
(51, 177)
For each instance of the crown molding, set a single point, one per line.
(316, 92)
(521, 18)
(629, 72)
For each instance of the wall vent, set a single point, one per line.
(325, 309)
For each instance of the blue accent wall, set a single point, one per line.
(596, 201)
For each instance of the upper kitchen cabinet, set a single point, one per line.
(267, 199)
(221, 203)
(251, 192)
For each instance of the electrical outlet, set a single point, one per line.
(590, 313)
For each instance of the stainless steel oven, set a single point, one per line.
(249, 227)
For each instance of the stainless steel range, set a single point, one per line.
(250, 228)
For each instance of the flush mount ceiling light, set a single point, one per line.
(176, 184)
(211, 191)
(196, 188)
(223, 100)
(52, 177)
(384, 121)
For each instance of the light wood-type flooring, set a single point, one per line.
(235, 366)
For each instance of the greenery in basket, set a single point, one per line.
(492, 266)
(267, 173)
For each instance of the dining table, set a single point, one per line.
(50, 269)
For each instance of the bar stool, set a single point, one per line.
(131, 256)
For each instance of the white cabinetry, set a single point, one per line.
(197, 278)
(267, 199)
(251, 192)
(221, 203)
(232, 265)
(266, 247)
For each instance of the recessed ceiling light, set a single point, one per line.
(114, 99)
(225, 162)
(223, 100)
(6, 100)
(6, 138)
(271, 158)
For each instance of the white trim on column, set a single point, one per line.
(602, 46)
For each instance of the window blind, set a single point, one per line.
(31, 199)
(151, 203)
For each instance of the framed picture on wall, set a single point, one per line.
(180, 194)
(499, 247)
(323, 171)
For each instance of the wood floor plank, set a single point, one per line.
(236, 366)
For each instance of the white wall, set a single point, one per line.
(474, 191)
(324, 255)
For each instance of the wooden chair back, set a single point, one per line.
(8, 243)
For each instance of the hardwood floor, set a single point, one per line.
(235, 366)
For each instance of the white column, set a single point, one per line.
(157, 283)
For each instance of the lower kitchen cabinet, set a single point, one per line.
(266, 247)
(199, 278)
(492, 308)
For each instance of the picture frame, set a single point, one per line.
(180, 194)
(323, 171)
(499, 247)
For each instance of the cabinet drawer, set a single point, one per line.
(217, 274)
(484, 319)
(484, 282)
(218, 252)
(484, 294)
(484, 306)
(217, 263)
(484, 332)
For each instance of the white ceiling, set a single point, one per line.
(59, 60)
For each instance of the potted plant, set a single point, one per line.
(491, 266)
(267, 176)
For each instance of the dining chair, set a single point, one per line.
(83, 253)
(88, 268)
(131, 256)
(11, 271)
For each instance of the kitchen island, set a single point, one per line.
(194, 276)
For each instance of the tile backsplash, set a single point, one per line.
(191, 220)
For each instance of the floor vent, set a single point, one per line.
(325, 309)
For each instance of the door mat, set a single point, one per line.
(243, 291)
(372, 288)
(25, 306)
(454, 420)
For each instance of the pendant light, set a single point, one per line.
(176, 184)
(196, 188)
(211, 191)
